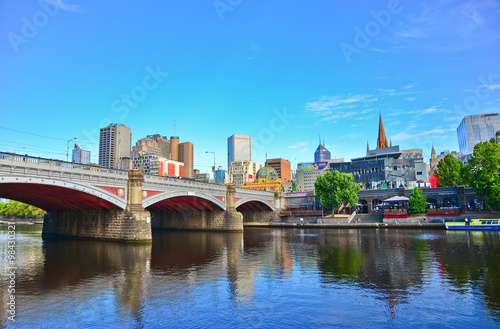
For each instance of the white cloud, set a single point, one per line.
(410, 98)
(494, 87)
(429, 110)
(410, 86)
(331, 103)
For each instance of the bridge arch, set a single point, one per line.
(183, 201)
(253, 204)
(53, 194)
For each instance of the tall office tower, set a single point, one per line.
(174, 148)
(282, 167)
(114, 143)
(239, 148)
(186, 155)
(475, 129)
(80, 155)
(163, 144)
(322, 154)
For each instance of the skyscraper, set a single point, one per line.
(282, 167)
(239, 148)
(186, 155)
(80, 155)
(174, 148)
(475, 129)
(114, 143)
(322, 154)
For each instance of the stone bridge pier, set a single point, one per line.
(132, 224)
(196, 214)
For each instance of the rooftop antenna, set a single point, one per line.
(319, 139)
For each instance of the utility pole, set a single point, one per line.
(214, 163)
(67, 148)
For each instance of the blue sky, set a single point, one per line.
(283, 73)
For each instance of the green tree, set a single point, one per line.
(483, 172)
(418, 201)
(336, 189)
(19, 209)
(449, 171)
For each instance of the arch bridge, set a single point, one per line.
(95, 202)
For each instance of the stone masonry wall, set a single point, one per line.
(216, 220)
(113, 225)
(265, 216)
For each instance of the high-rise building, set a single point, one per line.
(239, 148)
(186, 155)
(243, 171)
(146, 146)
(220, 175)
(322, 154)
(282, 167)
(80, 155)
(114, 143)
(163, 144)
(475, 129)
(174, 148)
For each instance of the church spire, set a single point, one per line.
(381, 140)
(433, 152)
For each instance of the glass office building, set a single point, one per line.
(239, 148)
(475, 129)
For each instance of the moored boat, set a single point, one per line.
(474, 224)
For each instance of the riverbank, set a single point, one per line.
(21, 221)
(347, 225)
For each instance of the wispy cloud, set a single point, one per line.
(334, 107)
(299, 145)
(410, 98)
(441, 23)
(64, 5)
(430, 110)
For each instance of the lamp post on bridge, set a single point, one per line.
(67, 148)
(213, 170)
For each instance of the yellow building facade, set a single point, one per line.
(265, 180)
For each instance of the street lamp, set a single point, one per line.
(214, 162)
(67, 148)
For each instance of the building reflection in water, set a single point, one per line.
(261, 271)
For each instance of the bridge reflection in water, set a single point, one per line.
(261, 277)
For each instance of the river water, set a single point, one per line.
(262, 278)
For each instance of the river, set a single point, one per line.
(262, 278)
